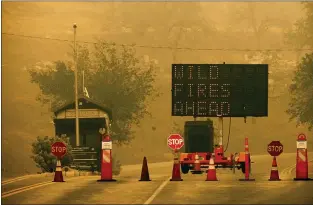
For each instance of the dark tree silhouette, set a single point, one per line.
(114, 76)
(301, 105)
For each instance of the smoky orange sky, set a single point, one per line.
(229, 26)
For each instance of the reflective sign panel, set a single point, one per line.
(211, 90)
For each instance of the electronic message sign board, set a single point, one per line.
(220, 90)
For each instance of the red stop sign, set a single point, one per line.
(58, 149)
(275, 148)
(175, 141)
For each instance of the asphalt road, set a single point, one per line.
(193, 190)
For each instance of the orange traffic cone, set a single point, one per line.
(274, 171)
(176, 170)
(145, 171)
(197, 165)
(247, 162)
(58, 176)
(211, 175)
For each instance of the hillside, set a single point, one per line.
(23, 118)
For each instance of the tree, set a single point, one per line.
(259, 27)
(256, 19)
(301, 89)
(42, 156)
(116, 166)
(114, 77)
(301, 35)
(177, 129)
(164, 23)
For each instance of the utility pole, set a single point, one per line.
(76, 88)
(83, 81)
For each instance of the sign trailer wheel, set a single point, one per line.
(185, 168)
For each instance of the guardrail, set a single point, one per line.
(84, 159)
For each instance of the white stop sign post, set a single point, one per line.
(175, 142)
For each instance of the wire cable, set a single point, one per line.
(160, 47)
(228, 138)
(222, 129)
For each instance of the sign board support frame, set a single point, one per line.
(220, 131)
(220, 128)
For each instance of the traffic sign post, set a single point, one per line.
(175, 142)
(275, 148)
(58, 149)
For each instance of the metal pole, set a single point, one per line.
(83, 82)
(76, 89)
(220, 127)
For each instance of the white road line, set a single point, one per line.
(15, 179)
(157, 191)
(33, 186)
(288, 170)
(25, 187)
(22, 189)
